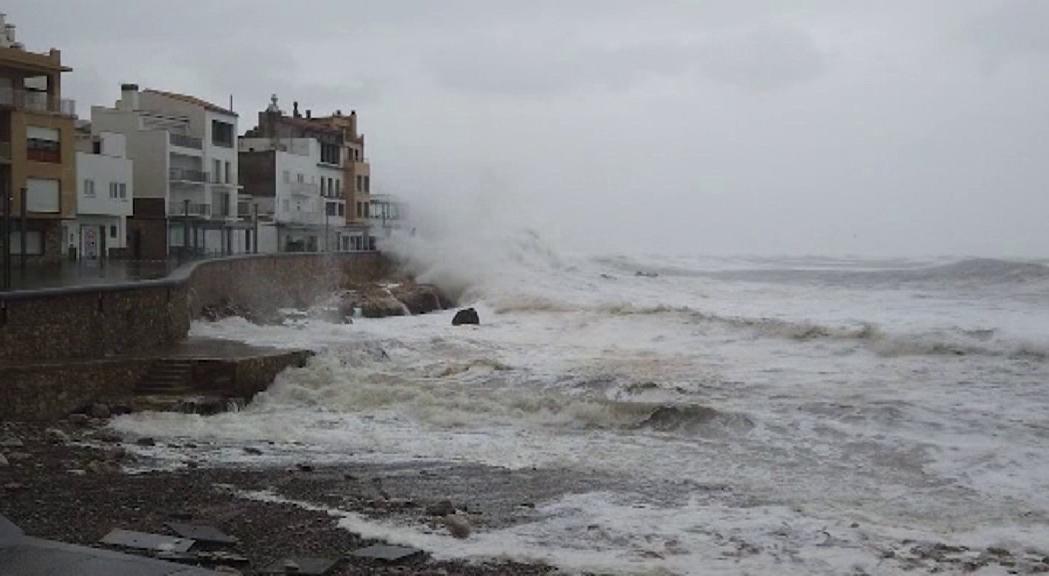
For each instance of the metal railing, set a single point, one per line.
(33, 101)
(176, 208)
(186, 141)
(187, 175)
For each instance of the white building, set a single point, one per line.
(386, 213)
(105, 195)
(299, 197)
(185, 156)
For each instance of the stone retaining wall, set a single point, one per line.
(51, 391)
(94, 322)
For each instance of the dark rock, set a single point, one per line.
(418, 298)
(3, 462)
(11, 442)
(304, 467)
(56, 436)
(644, 274)
(100, 410)
(146, 441)
(442, 508)
(253, 451)
(79, 419)
(466, 316)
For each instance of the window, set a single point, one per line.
(229, 171)
(89, 188)
(42, 195)
(112, 231)
(342, 209)
(222, 134)
(42, 145)
(365, 209)
(368, 184)
(360, 211)
(329, 153)
(329, 208)
(33, 242)
(338, 183)
(114, 191)
(287, 176)
(216, 171)
(121, 191)
(322, 186)
(331, 186)
(360, 184)
(301, 178)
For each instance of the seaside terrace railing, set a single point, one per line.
(185, 141)
(177, 208)
(187, 175)
(34, 101)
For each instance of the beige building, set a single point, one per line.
(37, 152)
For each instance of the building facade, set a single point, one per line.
(186, 173)
(294, 170)
(105, 195)
(37, 161)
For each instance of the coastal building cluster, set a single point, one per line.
(163, 174)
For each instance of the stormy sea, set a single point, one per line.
(695, 414)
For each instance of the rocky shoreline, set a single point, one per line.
(69, 481)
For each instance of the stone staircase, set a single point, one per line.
(168, 387)
(167, 377)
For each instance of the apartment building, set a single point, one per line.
(293, 168)
(105, 194)
(37, 162)
(185, 177)
(358, 171)
(386, 215)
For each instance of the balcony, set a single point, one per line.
(176, 208)
(303, 189)
(186, 141)
(187, 175)
(33, 101)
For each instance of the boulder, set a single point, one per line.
(442, 508)
(79, 419)
(99, 410)
(466, 316)
(458, 526)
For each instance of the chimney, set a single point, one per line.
(338, 112)
(128, 97)
(353, 123)
(309, 114)
(9, 35)
(295, 109)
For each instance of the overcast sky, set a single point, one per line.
(803, 127)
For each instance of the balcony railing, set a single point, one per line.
(187, 175)
(186, 141)
(176, 208)
(33, 101)
(303, 189)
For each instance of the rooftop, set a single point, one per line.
(191, 100)
(32, 62)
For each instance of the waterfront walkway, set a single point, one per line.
(66, 273)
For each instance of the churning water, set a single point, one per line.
(760, 415)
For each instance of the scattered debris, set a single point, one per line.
(387, 553)
(309, 566)
(202, 534)
(146, 541)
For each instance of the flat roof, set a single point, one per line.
(31, 61)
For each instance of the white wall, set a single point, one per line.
(104, 170)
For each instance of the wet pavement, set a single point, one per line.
(88, 273)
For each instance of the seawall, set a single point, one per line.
(96, 322)
(63, 348)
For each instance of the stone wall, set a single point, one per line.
(51, 391)
(88, 323)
